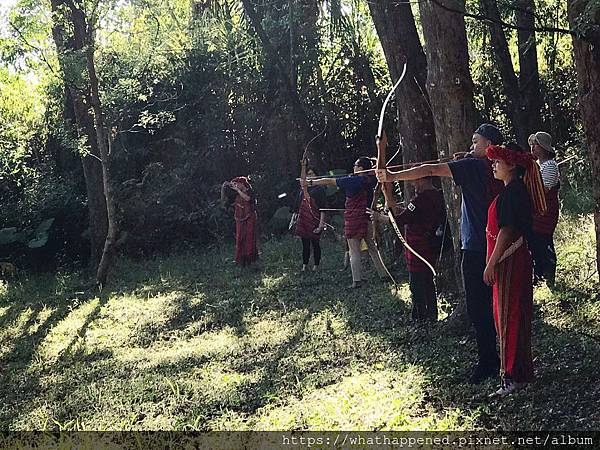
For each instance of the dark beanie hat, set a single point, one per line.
(491, 132)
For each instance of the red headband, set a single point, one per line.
(522, 159)
(532, 179)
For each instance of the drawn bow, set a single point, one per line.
(388, 196)
(303, 163)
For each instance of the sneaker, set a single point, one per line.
(481, 373)
(507, 388)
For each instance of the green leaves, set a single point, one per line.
(32, 239)
(41, 234)
(8, 235)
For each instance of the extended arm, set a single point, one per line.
(414, 173)
(320, 182)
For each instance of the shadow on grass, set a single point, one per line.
(18, 385)
(234, 342)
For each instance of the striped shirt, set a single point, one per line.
(550, 173)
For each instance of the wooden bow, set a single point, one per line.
(387, 188)
(303, 163)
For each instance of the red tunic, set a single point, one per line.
(308, 219)
(513, 305)
(421, 219)
(356, 219)
(246, 248)
(546, 224)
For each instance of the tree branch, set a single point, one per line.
(505, 24)
(33, 47)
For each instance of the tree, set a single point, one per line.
(397, 32)
(584, 18)
(450, 89)
(529, 75)
(522, 94)
(77, 51)
(395, 25)
(70, 36)
(298, 113)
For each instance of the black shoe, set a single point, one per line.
(481, 373)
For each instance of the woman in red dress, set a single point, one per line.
(358, 189)
(246, 247)
(311, 222)
(509, 262)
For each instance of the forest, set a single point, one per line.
(120, 120)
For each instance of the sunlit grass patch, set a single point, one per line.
(575, 244)
(372, 400)
(131, 320)
(268, 333)
(17, 329)
(219, 344)
(191, 342)
(67, 332)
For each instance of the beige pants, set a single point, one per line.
(355, 260)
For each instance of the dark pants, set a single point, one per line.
(424, 301)
(480, 307)
(544, 256)
(306, 244)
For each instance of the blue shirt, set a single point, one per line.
(479, 188)
(354, 184)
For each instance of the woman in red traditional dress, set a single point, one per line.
(358, 188)
(311, 222)
(509, 262)
(246, 229)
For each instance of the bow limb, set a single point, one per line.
(378, 188)
(303, 177)
(388, 196)
(391, 204)
(303, 164)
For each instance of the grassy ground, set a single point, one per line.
(190, 342)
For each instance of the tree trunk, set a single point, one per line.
(517, 112)
(397, 32)
(395, 25)
(529, 76)
(104, 147)
(108, 252)
(450, 89)
(69, 45)
(582, 15)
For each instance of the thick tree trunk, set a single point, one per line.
(395, 25)
(397, 32)
(450, 89)
(70, 45)
(517, 112)
(582, 14)
(529, 76)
